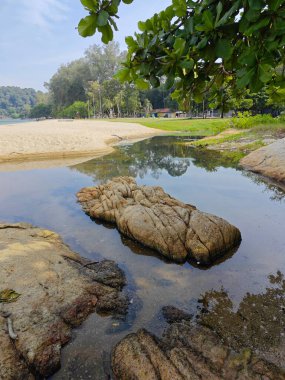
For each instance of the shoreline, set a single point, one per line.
(53, 143)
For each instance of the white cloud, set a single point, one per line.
(43, 13)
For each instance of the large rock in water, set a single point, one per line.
(268, 161)
(147, 214)
(186, 352)
(57, 292)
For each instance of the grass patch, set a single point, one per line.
(277, 130)
(250, 147)
(215, 141)
(193, 127)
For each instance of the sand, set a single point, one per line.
(62, 142)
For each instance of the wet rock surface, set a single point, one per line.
(258, 322)
(172, 314)
(57, 292)
(150, 216)
(268, 161)
(186, 352)
(107, 273)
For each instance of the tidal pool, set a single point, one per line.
(207, 179)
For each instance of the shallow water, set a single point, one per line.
(208, 180)
(13, 121)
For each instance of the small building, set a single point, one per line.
(162, 112)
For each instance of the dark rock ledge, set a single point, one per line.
(187, 352)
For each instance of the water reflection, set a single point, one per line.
(170, 154)
(276, 190)
(258, 323)
(144, 157)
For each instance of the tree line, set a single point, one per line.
(89, 88)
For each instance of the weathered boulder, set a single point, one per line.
(186, 352)
(268, 161)
(57, 291)
(150, 216)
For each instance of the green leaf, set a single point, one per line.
(114, 25)
(248, 57)
(187, 64)
(264, 72)
(224, 49)
(127, 1)
(261, 24)
(251, 15)
(274, 4)
(123, 75)
(189, 25)
(8, 296)
(179, 45)
(228, 14)
(141, 84)
(208, 19)
(87, 26)
(142, 26)
(102, 18)
(107, 33)
(89, 4)
(219, 9)
(202, 43)
(179, 7)
(245, 76)
(256, 4)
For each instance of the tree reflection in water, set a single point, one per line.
(258, 323)
(148, 156)
(169, 154)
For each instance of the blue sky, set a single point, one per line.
(37, 36)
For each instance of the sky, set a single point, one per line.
(37, 36)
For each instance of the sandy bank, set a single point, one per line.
(55, 139)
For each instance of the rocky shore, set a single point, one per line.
(262, 153)
(187, 352)
(268, 161)
(49, 290)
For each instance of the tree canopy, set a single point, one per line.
(90, 79)
(200, 45)
(17, 102)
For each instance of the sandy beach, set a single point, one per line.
(62, 142)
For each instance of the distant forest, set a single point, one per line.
(16, 102)
(85, 88)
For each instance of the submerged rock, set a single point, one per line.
(57, 291)
(150, 216)
(172, 314)
(268, 161)
(186, 352)
(108, 273)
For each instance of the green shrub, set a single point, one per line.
(244, 120)
(41, 110)
(76, 110)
